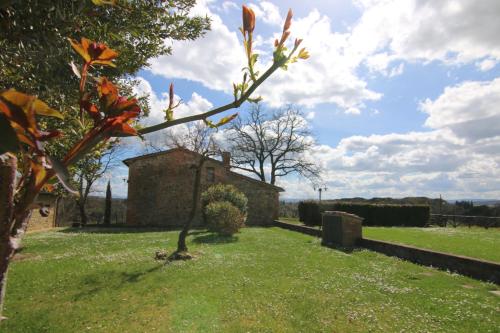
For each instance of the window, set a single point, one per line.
(210, 175)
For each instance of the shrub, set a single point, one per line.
(302, 207)
(373, 215)
(224, 218)
(309, 213)
(229, 193)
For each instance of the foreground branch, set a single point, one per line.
(236, 104)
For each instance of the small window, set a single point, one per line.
(210, 175)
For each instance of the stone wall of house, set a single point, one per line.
(160, 190)
(38, 222)
(263, 200)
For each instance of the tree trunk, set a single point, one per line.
(81, 200)
(8, 165)
(83, 212)
(181, 243)
(107, 209)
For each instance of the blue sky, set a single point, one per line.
(402, 95)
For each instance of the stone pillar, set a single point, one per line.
(341, 229)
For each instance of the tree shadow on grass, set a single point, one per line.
(92, 284)
(213, 238)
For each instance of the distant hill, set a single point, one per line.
(486, 202)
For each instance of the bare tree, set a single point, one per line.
(89, 170)
(272, 146)
(199, 138)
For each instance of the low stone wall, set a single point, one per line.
(474, 268)
(300, 228)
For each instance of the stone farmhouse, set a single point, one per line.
(160, 189)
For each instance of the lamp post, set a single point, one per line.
(320, 190)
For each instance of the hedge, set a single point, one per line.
(373, 215)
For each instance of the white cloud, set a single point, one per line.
(450, 31)
(486, 65)
(457, 158)
(229, 5)
(310, 115)
(469, 109)
(214, 60)
(267, 12)
(328, 76)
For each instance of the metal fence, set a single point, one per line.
(445, 220)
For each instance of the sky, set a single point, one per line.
(402, 95)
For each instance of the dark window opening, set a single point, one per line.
(210, 175)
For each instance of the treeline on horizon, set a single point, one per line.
(437, 206)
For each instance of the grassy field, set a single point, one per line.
(262, 280)
(473, 242)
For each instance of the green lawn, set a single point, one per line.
(262, 280)
(473, 242)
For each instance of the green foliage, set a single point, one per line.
(35, 53)
(34, 47)
(222, 192)
(373, 215)
(224, 218)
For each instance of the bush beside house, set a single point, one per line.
(224, 209)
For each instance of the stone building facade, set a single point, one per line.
(37, 221)
(160, 189)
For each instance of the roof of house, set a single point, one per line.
(128, 161)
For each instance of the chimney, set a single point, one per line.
(226, 159)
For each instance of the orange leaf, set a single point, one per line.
(108, 54)
(81, 49)
(103, 62)
(39, 172)
(26, 101)
(248, 19)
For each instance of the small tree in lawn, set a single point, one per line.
(107, 206)
(26, 167)
(197, 137)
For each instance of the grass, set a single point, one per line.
(472, 242)
(261, 280)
